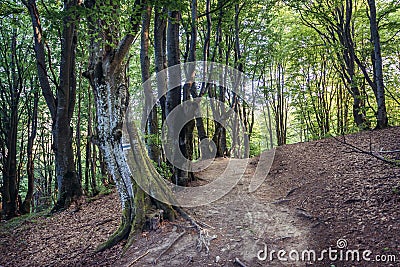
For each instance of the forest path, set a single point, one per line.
(239, 225)
(316, 194)
(246, 221)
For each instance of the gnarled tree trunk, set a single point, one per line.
(107, 77)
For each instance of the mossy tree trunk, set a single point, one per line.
(107, 77)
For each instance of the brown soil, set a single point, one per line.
(316, 193)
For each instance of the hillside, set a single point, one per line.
(315, 194)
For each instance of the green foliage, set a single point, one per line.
(8, 8)
(257, 144)
(163, 169)
(396, 190)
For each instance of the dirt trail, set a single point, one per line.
(246, 221)
(240, 223)
(315, 194)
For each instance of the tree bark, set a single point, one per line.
(190, 85)
(381, 116)
(108, 81)
(26, 205)
(173, 98)
(150, 112)
(160, 60)
(10, 188)
(69, 186)
(62, 107)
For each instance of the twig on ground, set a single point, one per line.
(388, 151)
(169, 246)
(190, 259)
(238, 262)
(291, 191)
(138, 258)
(280, 201)
(304, 214)
(104, 222)
(205, 225)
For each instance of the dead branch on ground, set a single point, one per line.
(370, 152)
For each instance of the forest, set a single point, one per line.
(132, 99)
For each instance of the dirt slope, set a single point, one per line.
(316, 193)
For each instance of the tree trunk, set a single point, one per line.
(204, 148)
(78, 139)
(150, 112)
(160, 61)
(190, 85)
(68, 184)
(26, 205)
(10, 189)
(107, 78)
(173, 99)
(349, 58)
(339, 33)
(90, 154)
(382, 120)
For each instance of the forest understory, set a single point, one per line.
(315, 194)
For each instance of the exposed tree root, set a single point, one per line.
(238, 262)
(170, 245)
(186, 216)
(204, 238)
(138, 258)
(121, 233)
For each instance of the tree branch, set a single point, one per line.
(125, 44)
(40, 57)
(370, 152)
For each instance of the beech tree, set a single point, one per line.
(151, 120)
(316, 69)
(62, 104)
(12, 64)
(107, 78)
(381, 115)
(335, 28)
